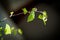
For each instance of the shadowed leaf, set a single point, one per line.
(15, 31)
(34, 9)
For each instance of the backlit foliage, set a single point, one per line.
(20, 31)
(11, 14)
(7, 29)
(31, 17)
(43, 17)
(24, 10)
(10, 30)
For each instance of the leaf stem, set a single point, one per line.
(22, 13)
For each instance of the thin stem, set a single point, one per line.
(22, 13)
(39, 11)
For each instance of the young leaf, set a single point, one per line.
(44, 17)
(11, 14)
(20, 31)
(7, 29)
(31, 16)
(34, 9)
(40, 16)
(24, 10)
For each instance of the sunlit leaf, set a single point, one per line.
(7, 29)
(31, 17)
(11, 13)
(40, 16)
(43, 17)
(24, 10)
(44, 13)
(20, 31)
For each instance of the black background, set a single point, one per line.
(36, 30)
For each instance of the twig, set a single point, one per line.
(22, 13)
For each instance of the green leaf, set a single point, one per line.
(0, 34)
(40, 16)
(44, 17)
(7, 29)
(34, 9)
(11, 13)
(15, 31)
(24, 10)
(20, 31)
(0, 31)
(31, 17)
(44, 13)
